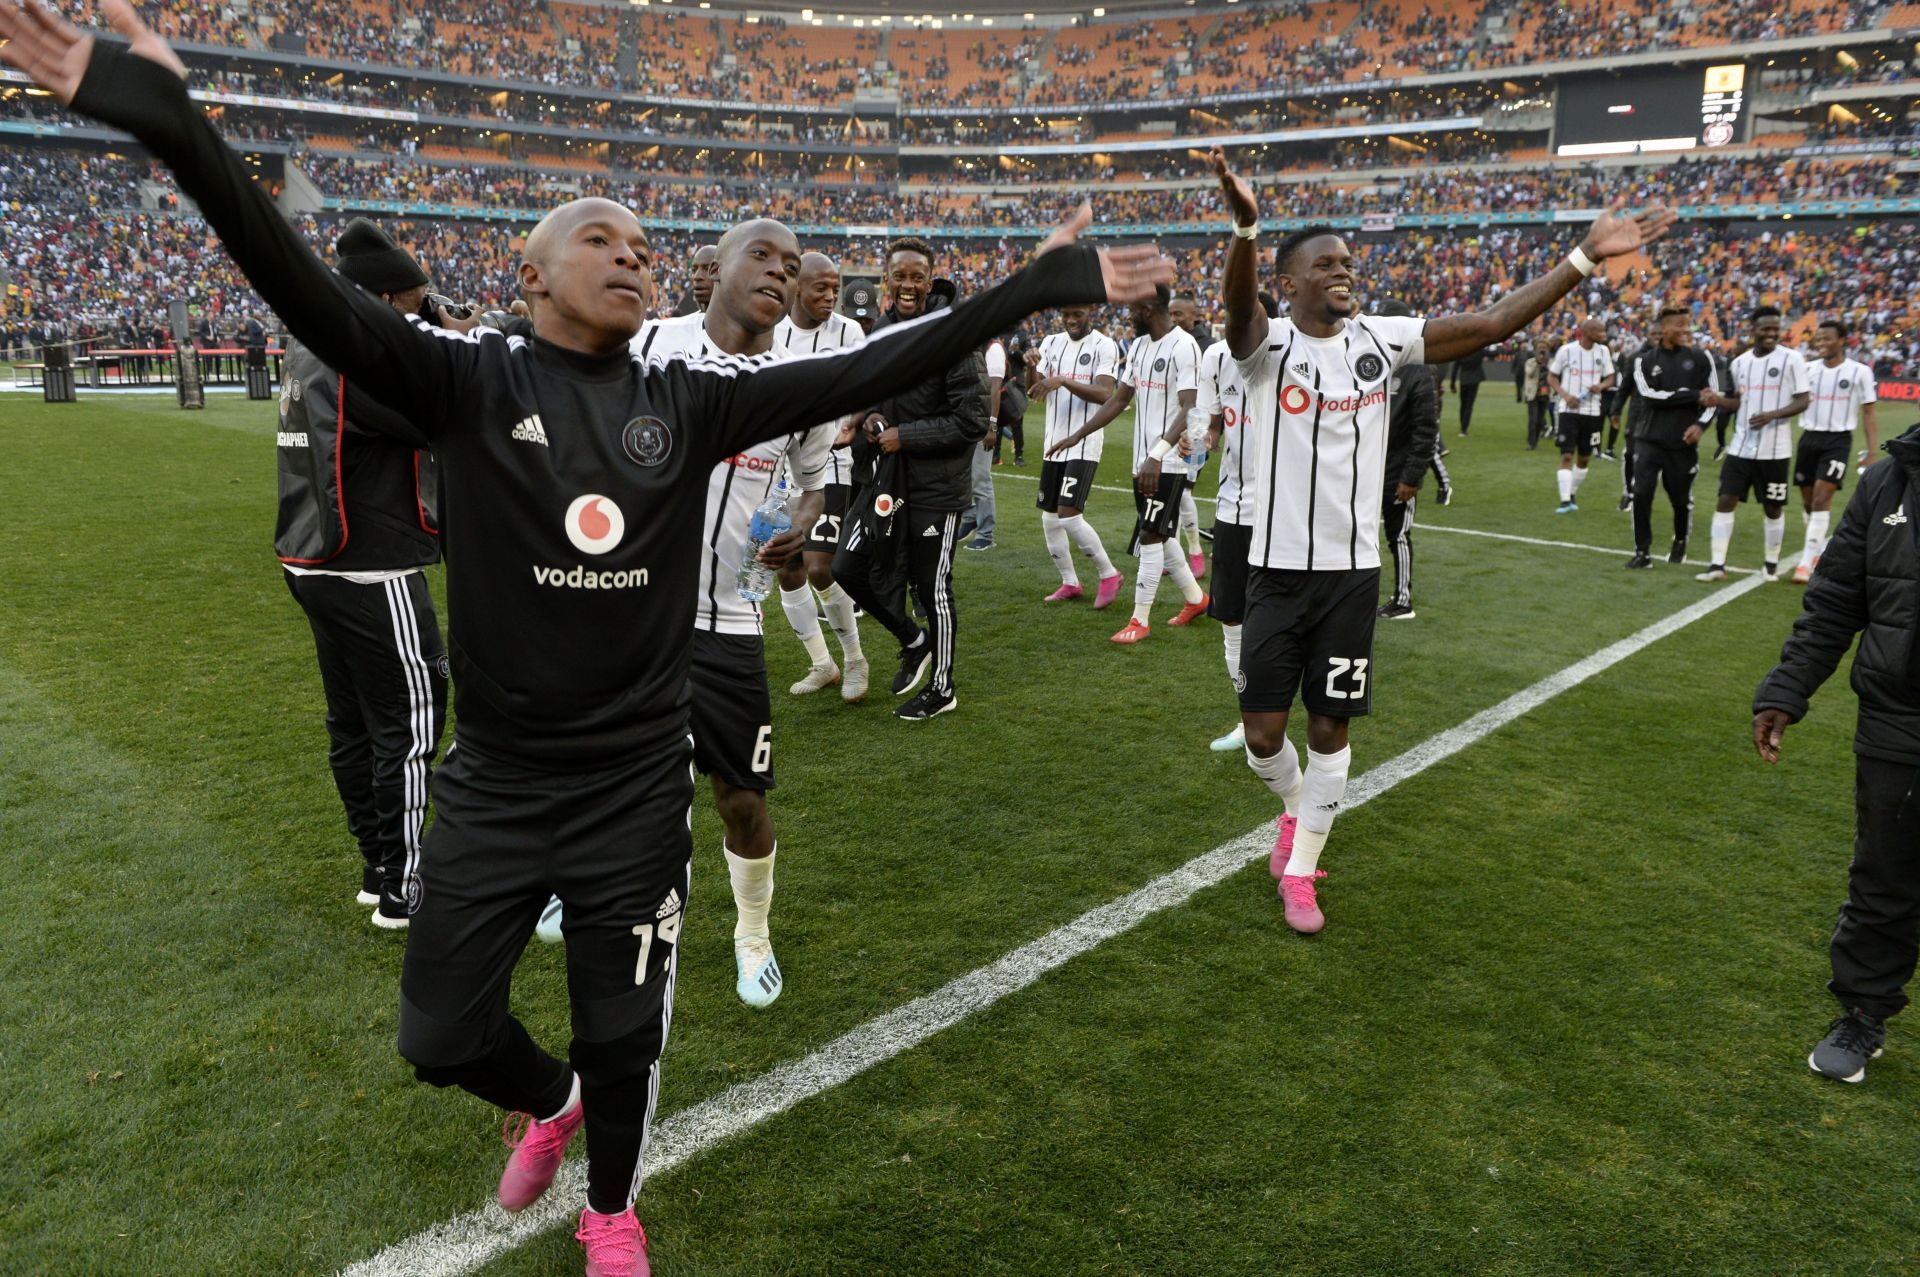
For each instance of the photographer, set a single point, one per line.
(355, 530)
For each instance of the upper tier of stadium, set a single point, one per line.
(677, 54)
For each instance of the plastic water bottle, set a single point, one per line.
(1197, 425)
(755, 580)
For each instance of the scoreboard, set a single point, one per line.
(1650, 109)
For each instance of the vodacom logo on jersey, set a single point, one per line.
(1298, 399)
(595, 524)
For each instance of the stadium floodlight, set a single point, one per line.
(1099, 13)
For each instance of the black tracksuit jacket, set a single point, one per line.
(1670, 382)
(572, 549)
(942, 419)
(1868, 583)
(1413, 429)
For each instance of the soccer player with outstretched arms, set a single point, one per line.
(1318, 384)
(571, 589)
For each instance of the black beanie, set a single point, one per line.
(370, 258)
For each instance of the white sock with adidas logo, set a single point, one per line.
(1322, 791)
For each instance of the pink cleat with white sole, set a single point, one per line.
(1064, 593)
(616, 1245)
(538, 1149)
(1303, 906)
(1282, 846)
(1108, 591)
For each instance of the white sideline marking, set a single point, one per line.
(466, 1242)
(1469, 532)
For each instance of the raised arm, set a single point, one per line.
(140, 87)
(1240, 289)
(1615, 233)
(780, 396)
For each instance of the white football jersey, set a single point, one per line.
(1316, 440)
(737, 485)
(1095, 355)
(1580, 373)
(1158, 371)
(1222, 391)
(838, 331)
(1838, 395)
(1764, 385)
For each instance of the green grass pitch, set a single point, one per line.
(1556, 1025)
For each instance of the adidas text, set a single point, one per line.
(1897, 518)
(531, 431)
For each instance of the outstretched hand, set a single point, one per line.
(55, 53)
(1130, 274)
(1617, 232)
(1239, 196)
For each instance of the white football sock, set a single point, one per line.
(1579, 477)
(805, 619)
(1059, 547)
(1088, 540)
(1182, 573)
(846, 626)
(1722, 537)
(1148, 583)
(573, 1102)
(1816, 535)
(1282, 775)
(752, 891)
(1230, 637)
(1322, 790)
(1775, 531)
(1189, 522)
(1565, 479)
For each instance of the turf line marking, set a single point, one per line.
(1442, 527)
(466, 1242)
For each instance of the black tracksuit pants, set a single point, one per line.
(1878, 935)
(928, 538)
(1398, 517)
(1469, 391)
(1655, 467)
(384, 669)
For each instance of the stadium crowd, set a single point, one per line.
(1285, 46)
(97, 272)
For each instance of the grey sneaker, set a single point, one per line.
(1851, 1041)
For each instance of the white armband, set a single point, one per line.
(1247, 232)
(1162, 449)
(1580, 261)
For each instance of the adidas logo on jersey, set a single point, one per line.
(1897, 518)
(1302, 367)
(669, 906)
(931, 531)
(531, 431)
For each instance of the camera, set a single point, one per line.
(436, 302)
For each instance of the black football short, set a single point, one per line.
(1065, 483)
(825, 536)
(732, 712)
(1227, 588)
(614, 844)
(1160, 513)
(1309, 634)
(1577, 432)
(1824, 456)
(1766, 480)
